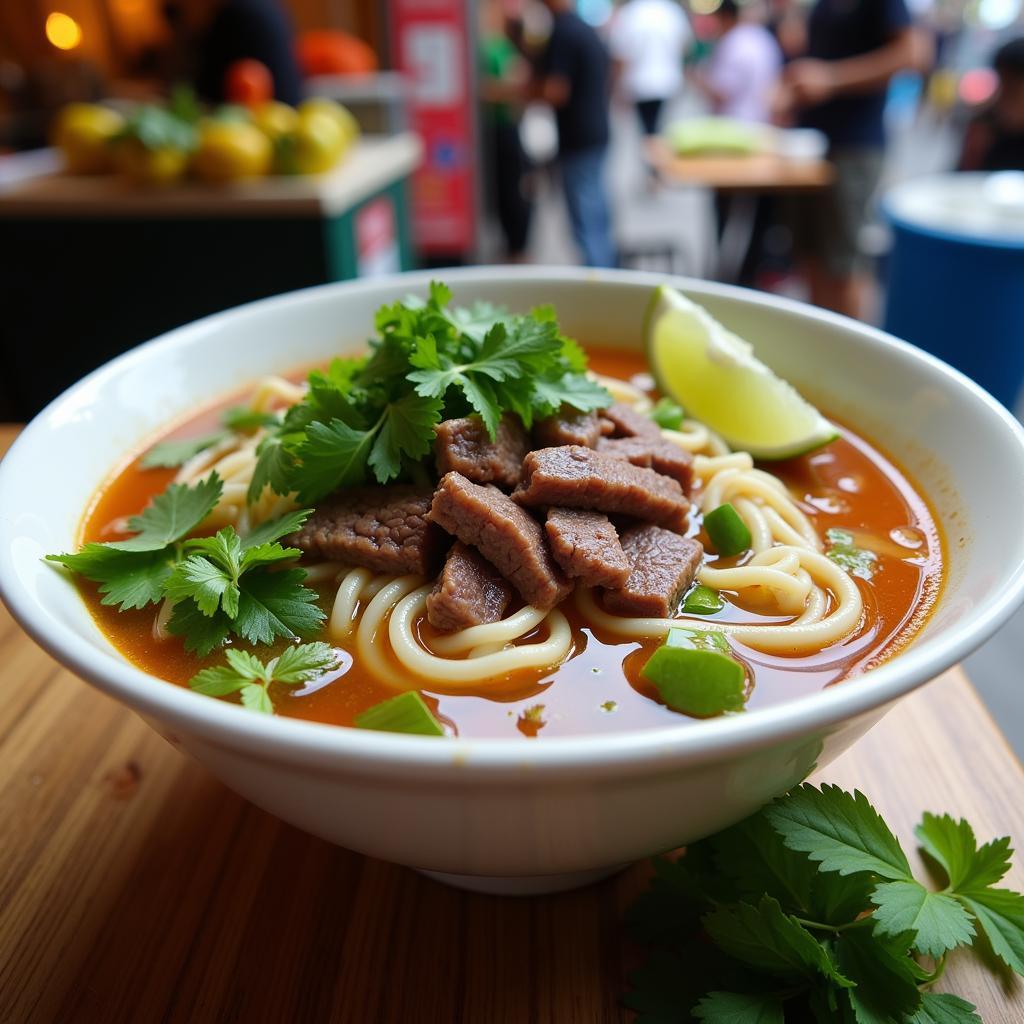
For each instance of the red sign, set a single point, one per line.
(377, 250)
(430, 41)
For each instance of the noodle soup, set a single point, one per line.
(844, 561)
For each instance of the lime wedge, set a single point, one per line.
(715, 376)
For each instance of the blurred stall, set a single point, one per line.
(103, 264)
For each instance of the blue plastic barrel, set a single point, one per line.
(956, 274)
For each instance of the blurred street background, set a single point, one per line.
(164, 159)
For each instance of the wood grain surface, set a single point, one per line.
(134, 887)
(759, 172)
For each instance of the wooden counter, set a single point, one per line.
(134, 887)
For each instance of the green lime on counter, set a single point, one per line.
(715, 376)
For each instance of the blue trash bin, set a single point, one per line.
(955, 276)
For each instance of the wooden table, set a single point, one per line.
(134, 887)
(743, 178)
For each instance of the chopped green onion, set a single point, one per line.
(729, 534)
(703, 601)
(667, 414)
(698, 639)
(406, 713)
(701, 683)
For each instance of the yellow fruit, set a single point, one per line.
(160, 165)
(83, 133)
(275, 119)
(348, 124)
(315, 146)
(232, 150)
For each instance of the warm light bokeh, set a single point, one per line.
(63, 31)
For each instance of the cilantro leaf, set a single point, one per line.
(943, 1008)
(129, 579)
(840, 831)
(171, 515)
(1000, 915)
(937, 920)
(167, 454)
(767, 938)
(274, 529)
(274, 464)
(275, 604)
(333, 455)
(201, 633)
(247, 676)
(952, 844)
(885, 986)
(243, 419)
(407, 430)
(738, 1008)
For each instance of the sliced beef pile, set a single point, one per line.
(653, 453)
(587, 547)
(505, 534)
(462, 446)
(627, 422)
(576, 477)
(385, 529)
(567, 427)
(664, 565)
(469, 592)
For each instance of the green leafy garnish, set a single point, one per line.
(375, 418)
(408, 713)
(249, 677)
(230, 582)
(167, 454)
(808, 910)
(243, 419)
(132, 573)
(667, 414)
(843, 550)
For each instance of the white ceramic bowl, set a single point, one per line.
(511, 815)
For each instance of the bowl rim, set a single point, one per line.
(320, 745)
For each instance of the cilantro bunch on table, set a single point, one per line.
(808, 911)
(374, 418)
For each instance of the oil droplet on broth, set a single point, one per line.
(908, 537)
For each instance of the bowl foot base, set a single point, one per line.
(522, 885)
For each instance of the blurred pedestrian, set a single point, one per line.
(744, 67)
(648, 41)
(573, 76)
(995, 138)
(839, 87)
(504, 74)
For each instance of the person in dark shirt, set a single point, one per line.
(230, 30)
(853, 48)
(995, 138)
(573, 75)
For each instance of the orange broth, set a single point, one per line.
(850, 484)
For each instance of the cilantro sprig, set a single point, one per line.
(376, 417)
(228, 584)
(222, 585)
(809, 911)
(132, 573)
(251, 678)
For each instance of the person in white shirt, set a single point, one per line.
(648, 40)
(744, 68)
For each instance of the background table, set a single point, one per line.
(742, 179)
(135, 887)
